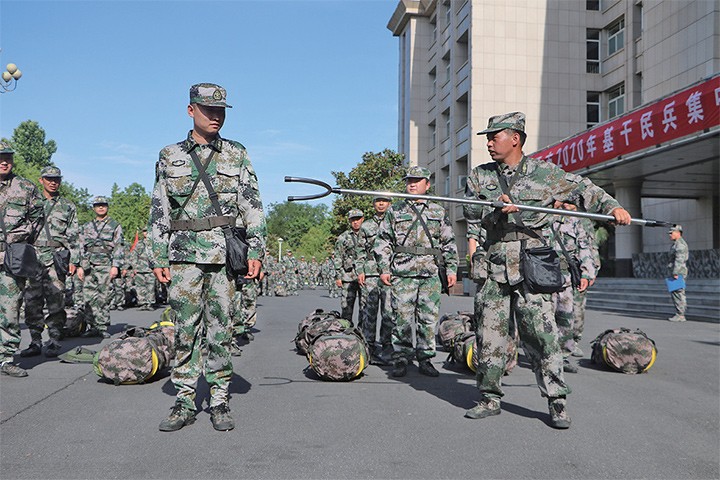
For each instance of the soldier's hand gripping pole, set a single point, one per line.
(644, 222)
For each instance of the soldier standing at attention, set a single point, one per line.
(504, 294)
(22, 218)
(346, 277)
(375, 293)
(290, 272)
(413, 237)
(59, 234)
(679, 255)
(141, 271)
(102, 258)
(189, 251)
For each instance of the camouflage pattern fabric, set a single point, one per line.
(345, 270)
(339, 356)
(102, 248)
(679, 254)
(415, 297)
(464, 351)
(532, 182)
(323, 323)
(49, 289)
(289, 272)
(137, 356)
(624, 350)
(245, 307)
(22, 211)
(375, 295)
(453, 324)
(201, 291)
(140, 267)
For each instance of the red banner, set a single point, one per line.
(692, 110)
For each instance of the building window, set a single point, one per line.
(448, 13)
(447, 128)
(447, 186)
(593, 50)
(433, 83)
(592, 5)
(433, 136)
(593, 109)
(462, 182)
(616, 36)
(433, 22)
(616, 101)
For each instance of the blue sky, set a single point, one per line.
(313, 83)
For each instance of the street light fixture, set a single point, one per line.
(280, 242)
(10, 77)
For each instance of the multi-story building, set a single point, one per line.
(573, 67)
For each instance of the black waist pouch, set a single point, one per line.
(541, 269)
(21, 260)
(61, 261)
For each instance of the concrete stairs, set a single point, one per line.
(650, 298)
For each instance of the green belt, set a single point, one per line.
(417, 250)
(104, 250)
(48, 243)
(201, 224)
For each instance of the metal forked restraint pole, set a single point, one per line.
(487, 203)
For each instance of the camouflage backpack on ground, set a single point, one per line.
(339, 356)
(453, 324)
(624, 350)
(464, 351)
(317, 323)
(138, 355)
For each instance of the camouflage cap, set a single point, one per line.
(51, 172)
(5, 148)
(378, 198)
(675, 228)
(417, 172)
(209, 94)
(100, 200)
(513, 120)
(355, 213)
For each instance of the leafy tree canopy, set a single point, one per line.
(381, 171)
(296, 224)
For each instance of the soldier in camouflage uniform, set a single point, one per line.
(189, 251)
(679, 254)
(346, 278)
(268, 280)
(375, 293)
(313, 273)
(578, 244)
(579, 297)
(303, 274)
(102, 257)
(290, 273)
(530, 182)
(408, 259)
(119, 286)
(22, 220)
(60, 233)
(141, 272)
(245, 311)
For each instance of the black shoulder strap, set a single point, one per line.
(202, 174)
(438, 256)
(412, 226)
(194, 156)
(506, 190)
(47, 214)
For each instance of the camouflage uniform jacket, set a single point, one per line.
(366, 242)
(578, 243)
(289, 264)
(345, 256)
(269, 265)
(400, 231)
(61, 221)
(22, 211)
(233, 179)
(679, 255)
(141, 257)
(538, 183)
(102, 243)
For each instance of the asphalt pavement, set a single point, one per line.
(62, 421)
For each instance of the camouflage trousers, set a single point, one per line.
(245, 307)
(292, 283)
(11, 293)
(117, 297)
(375, 296)
(564, 317)
(579, 299)
(46, 291)
(96, 296)
(679, 301)
(144, 288)
(201, 296)
(415, 304)
(535, 320)
(348, 293)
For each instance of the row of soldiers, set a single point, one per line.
(289, 275)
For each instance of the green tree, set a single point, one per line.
(130, 207)
(28, 140)
(381, 171)
(292, 221)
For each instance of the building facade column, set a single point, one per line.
(628, 239)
